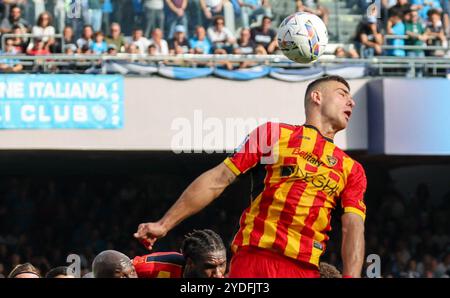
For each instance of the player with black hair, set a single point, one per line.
(59, 272)
(203, 255)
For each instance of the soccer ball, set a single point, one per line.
(302, 37)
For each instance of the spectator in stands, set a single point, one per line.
(424, 6)
(436, 33)
(139, 41)
(221, 37)
(69, 40)
(251, 9)
(211, 9)
(395, 26)
(99, 45)
(368, 39)
(341, 52)
(264, 35)
(152, 50)
(162, 48)
(20, 43)
(86, 38)
(116, 38)
(112, 50)
(40, 48)
(44, 29)
(59, 272)
(69, 49)
(24, 271)
(403, 6)
(314, 7)
(200, 44)
(416, 34)
(14, 19)
(10, 64)
(179, 44)
(154, 15)
(176, 15)
(245, 45)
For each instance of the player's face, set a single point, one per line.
(212, 265)
(338, 104)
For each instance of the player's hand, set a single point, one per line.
(148, 233)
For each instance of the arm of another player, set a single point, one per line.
(197, 196)
(352, 244)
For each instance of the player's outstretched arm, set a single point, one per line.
(197, 196)
(352, 244)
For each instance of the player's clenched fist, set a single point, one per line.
(148, 233)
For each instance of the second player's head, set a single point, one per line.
(205, 255)
(328, 101)
(113, 264)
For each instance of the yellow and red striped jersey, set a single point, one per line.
(160, 265)
(304, 175)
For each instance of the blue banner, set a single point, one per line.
(61, 102)
(184, 73)
(245, 74)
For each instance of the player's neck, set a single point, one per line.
(326, 129)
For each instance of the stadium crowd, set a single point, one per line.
(44, 219)
(168, 27)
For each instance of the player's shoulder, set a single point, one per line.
(166, 257)
(161, 257)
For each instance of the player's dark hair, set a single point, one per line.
(200, 242)
(53, 273)
(23, 268)
(324, 79)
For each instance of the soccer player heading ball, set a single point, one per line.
(304, 175)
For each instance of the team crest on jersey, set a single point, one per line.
(332, 161)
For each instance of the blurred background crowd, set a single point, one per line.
(217, 26)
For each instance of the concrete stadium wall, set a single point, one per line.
(158, 111)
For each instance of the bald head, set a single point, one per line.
(113, 264)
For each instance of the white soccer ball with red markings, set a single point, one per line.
(302, 37)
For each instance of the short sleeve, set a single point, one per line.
(257, 144)
(352, 197)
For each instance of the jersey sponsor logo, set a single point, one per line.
(325, 184)
(311, 158)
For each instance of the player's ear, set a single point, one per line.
(316, 97)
